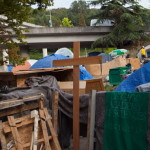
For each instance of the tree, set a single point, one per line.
(127, 22)
(76, 8)
(66, 23)
(15, 12)
(81, 20)
(57, 23)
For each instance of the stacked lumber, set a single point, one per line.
(28, 132)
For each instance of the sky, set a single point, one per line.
(67, 3)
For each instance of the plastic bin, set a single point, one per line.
(116, 75)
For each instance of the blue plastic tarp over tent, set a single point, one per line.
(47, 62)
(93, 53)
(141, 76)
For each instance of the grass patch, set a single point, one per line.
(109, 87)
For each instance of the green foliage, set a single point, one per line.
(36, 54)
(16, 12)
(15, 58)
(127, 22)
(73, 14)
(109, 87)
(66, 23)
(57, 23)
(81, 20)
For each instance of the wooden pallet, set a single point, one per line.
(18, 132)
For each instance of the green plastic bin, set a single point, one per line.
(115, 75)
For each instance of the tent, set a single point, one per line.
(106, 57)
(93, 53)
(147, 49)
(116, 52)
(26, 66)
(139, 77)
(65, 51)
(47, 62)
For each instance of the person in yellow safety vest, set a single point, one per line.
(143, 53)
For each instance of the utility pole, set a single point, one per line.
(50, 20)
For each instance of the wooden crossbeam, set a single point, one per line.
(55, 109)
(16, 102)
(78, 61)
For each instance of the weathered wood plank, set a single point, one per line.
(78, 61)
(44, 129)
(53, 133)
(16, 102)
(2, 137)
(55, 109)
(38, 141)
(14, 110)
(19, 145)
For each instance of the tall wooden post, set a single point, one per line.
(76, 103)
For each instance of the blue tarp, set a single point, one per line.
(141, 76)
(93, 53)
(10, 67)
(47, 62)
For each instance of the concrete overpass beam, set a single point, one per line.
(24, 51)
(44, 52)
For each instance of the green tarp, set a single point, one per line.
(126, 121)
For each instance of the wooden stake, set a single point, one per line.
(34, 114)
(55, 109)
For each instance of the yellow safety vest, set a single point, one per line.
(143, 51)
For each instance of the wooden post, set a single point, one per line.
(76, 61)
(55, 110)
(91, 119)
(34, 114)
(76, 101)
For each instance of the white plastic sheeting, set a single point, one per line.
(65, 51)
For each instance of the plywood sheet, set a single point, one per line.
(120, 61)
(94, 84)
(135, 63)
(68, 86)
(94, 69)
